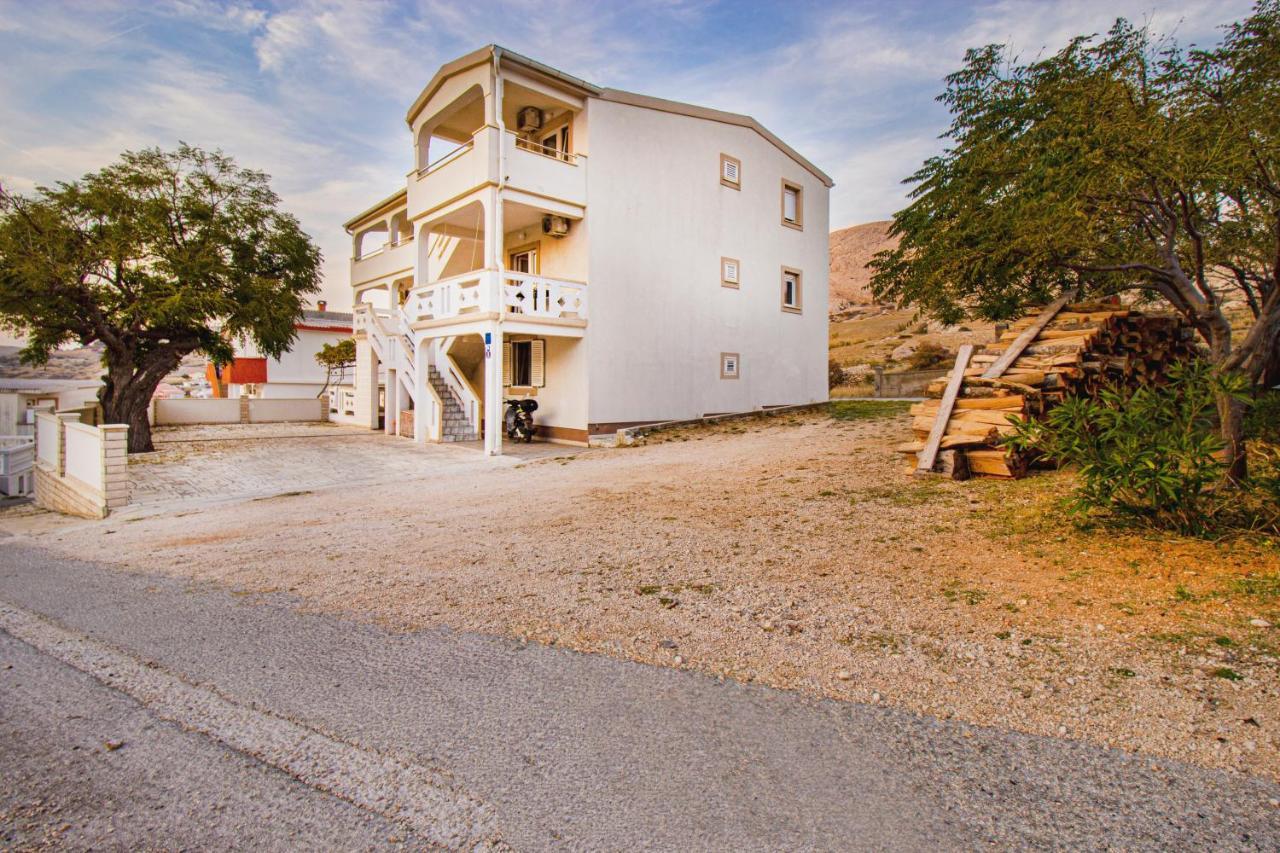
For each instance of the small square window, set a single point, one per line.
(731, 172)
(792, 290)
(730, 271)
(792, 205)
(730, 365)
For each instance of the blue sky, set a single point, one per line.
(314, 92)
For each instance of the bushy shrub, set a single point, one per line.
(1152, 454)
(1263, 421)
(929, 354)
(835, 374)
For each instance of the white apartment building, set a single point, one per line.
(621, 258)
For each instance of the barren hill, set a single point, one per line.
(851, 251)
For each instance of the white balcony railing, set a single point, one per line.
(483, 291)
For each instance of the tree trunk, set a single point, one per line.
(1231, 416)
(126, 394)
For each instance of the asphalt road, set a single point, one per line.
(138, 711)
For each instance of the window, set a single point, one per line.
(729, 272)
(524, 364)
(524, 259)
(731, 172)
(791, 290)
(729, 365)
(792, 205)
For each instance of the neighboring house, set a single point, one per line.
(295, 374)
(21, 398)
(623, 259)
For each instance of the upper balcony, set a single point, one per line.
(548, 173)
(462, 170)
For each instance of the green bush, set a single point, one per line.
(1263, 421)
(1150, 454)
(927, 355)
(835, 374)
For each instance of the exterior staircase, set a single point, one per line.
(455, 426)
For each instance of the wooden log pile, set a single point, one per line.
(1083, 348)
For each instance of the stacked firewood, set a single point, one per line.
(1084, 348)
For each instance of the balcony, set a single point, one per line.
(457, 173)
(485, 294)
(390, 259)
(545, 172)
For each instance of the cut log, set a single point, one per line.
(929, 455)
(1027, 336)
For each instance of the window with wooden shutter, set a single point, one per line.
(792, 205)
(730, 171)
(730, 365)
(729, 272)
(506, 364)
(538, 363)
(792, 292)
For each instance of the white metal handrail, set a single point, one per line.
(545, 150)
(445, 160)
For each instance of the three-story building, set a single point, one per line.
(621, 258)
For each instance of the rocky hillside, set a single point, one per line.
(851, 251)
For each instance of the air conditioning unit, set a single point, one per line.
(529, 119)
(555, 226)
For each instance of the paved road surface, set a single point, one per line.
(240, 721)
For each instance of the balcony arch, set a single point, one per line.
(370, 240)
(451, 128)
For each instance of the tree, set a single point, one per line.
(1118, 164)
(336, 358)
(161, 254)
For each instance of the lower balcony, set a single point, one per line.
(486, 295)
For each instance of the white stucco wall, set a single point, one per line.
(660, 221)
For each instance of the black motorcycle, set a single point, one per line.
(519, 419)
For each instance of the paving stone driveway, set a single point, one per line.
(211, 464)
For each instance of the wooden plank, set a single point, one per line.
(1011, 352)
(930, 453)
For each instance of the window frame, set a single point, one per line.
(725, 281)
(798, 189)
(733, 185)
(737, 365)
(798, 306)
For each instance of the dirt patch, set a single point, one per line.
(797, 552)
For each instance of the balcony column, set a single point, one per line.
(493, 409)
(392, 405)
(425, 404)
(366, 382)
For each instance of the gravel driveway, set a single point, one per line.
(794, 553)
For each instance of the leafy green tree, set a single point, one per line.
(1119, 164)
(161, 254)
(336, 359)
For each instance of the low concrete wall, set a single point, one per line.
(905, 383)
(266, 411)
(241, 410)
(80, 469)
(193, 411)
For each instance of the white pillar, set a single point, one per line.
(392, 404)
(366, 382)
(424, 404)
(493, 409)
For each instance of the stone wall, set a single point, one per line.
(102, 450)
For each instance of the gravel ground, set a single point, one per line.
(793, 552)
(470, 738)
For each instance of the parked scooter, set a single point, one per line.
(519, 419)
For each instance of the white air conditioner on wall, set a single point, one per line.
(529, 119)
(555, 226)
